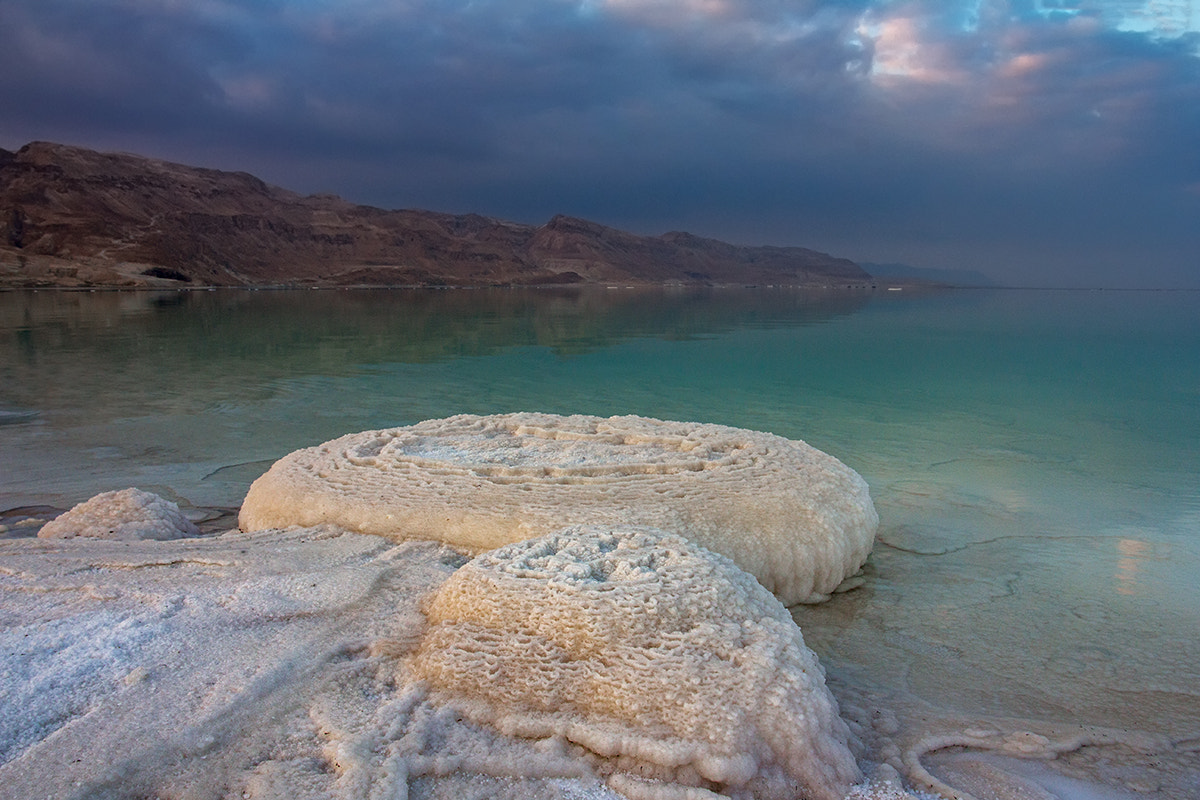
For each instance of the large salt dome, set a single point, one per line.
(796, 518)
(663, 661)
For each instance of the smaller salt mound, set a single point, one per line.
(127, 515)
(660, 658)
(796, 518)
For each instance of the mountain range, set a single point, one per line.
(73, 217)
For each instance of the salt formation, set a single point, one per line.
(662, 660)
(125, 515)
(796, 518)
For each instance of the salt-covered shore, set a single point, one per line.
(295, 657)
(142, 658)
(268, 665)
(273, 665)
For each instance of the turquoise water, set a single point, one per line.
(1034, 455)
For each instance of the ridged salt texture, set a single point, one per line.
(660, 658)
(796, 518)
(127, 514)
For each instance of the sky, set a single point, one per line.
(1051, 143)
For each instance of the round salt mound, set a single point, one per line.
(661, 659)
(796, 518)
(128, 514)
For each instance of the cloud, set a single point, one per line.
(943, 131)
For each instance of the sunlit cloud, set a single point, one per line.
(991, 82)
(904, 50)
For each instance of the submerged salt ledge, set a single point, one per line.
(796, 518)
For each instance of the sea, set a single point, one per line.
(1034, 455)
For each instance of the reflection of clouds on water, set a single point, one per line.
(1129, 566)
(1156, 565)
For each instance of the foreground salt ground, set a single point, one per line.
(275, 664)
(241, 665)
(268, 665)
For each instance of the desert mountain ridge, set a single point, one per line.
(73, 217)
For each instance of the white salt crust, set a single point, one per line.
(271, 666)
(126, 515)
(663, 660)
(796, 518)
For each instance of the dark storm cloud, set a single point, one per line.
(983, 134)
(1060, 142)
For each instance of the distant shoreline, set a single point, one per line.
(163, 285)
(70, 215)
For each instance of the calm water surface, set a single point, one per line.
(1034, 456)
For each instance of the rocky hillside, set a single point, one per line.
(75, 217)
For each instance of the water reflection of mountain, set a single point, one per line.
(56, 342)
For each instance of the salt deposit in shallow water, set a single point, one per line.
(796, 518)
(660, 658)
(123, 515)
